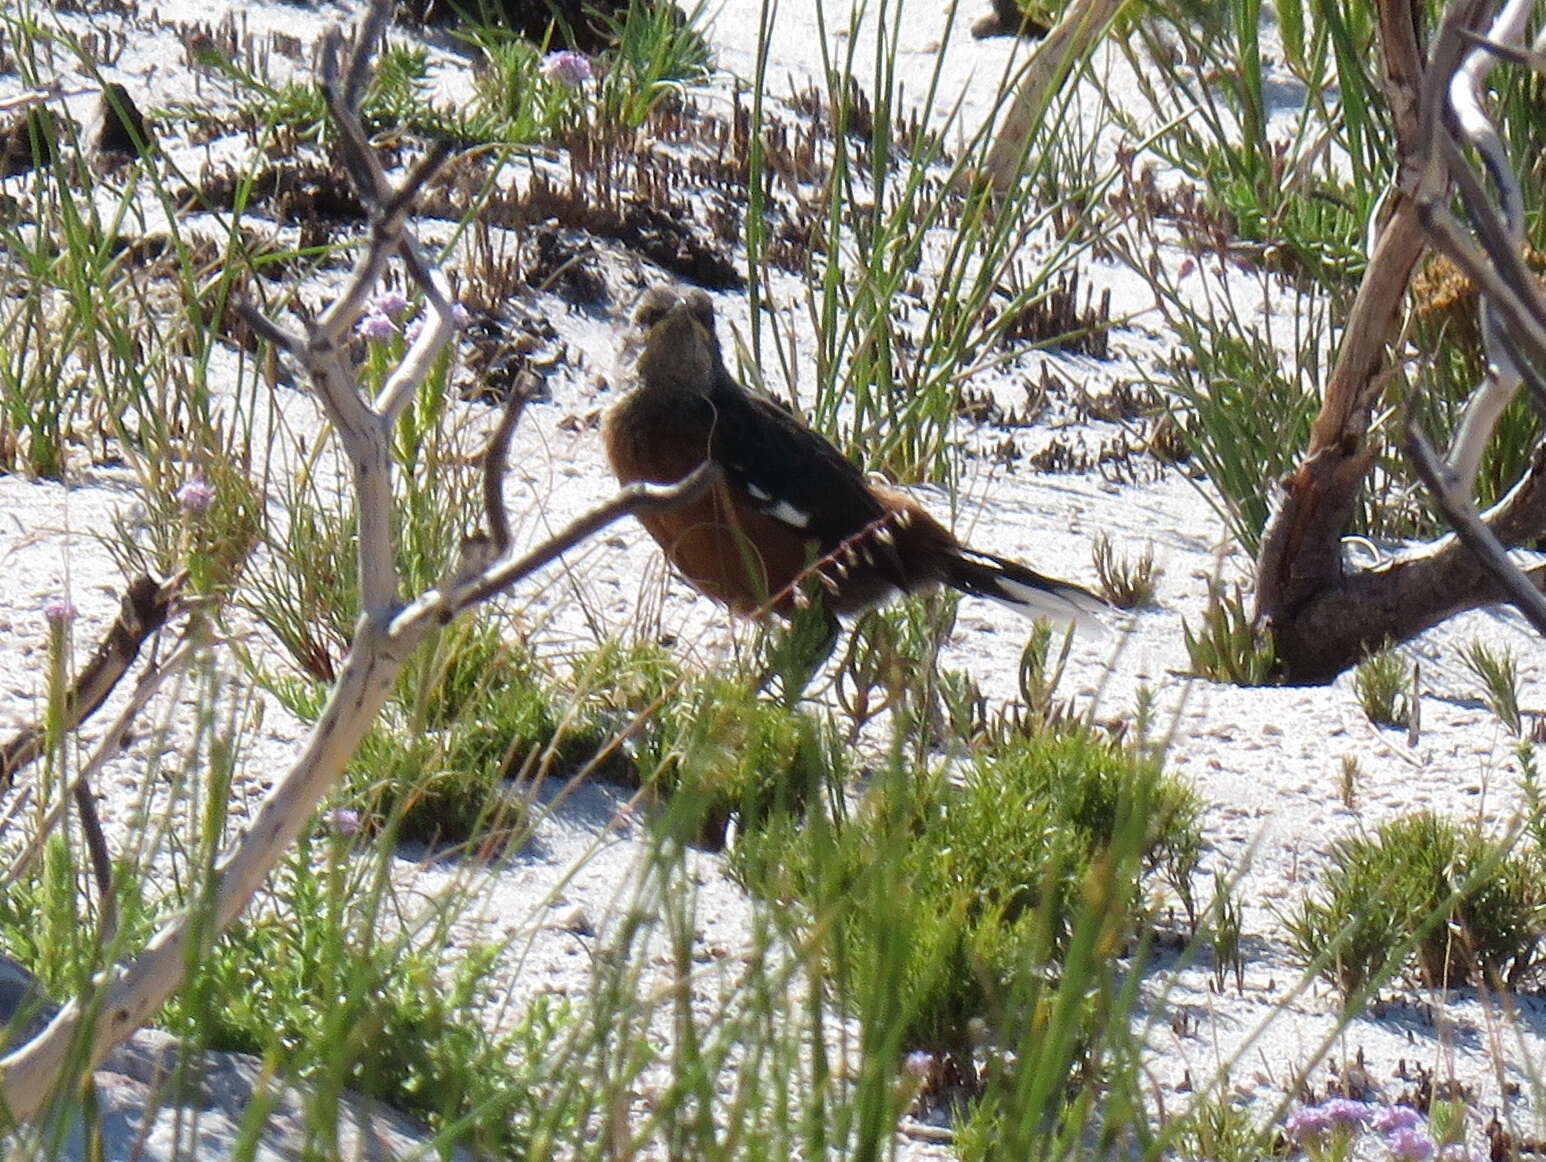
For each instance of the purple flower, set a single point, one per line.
(375, 328)
(1393, 1118)
(1306, 1124)
(196, 495)
(1347, 1113)
(343, 820)
(1409, 1144)
(570, 69)
(412, 330)
(59, 611)
(390, 303)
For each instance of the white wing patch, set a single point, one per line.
(778, 509)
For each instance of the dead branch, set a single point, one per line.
(1453, 497)
(1324, 619)
(1070, 42)
(1503, 374)
(1301, 552)
(125, 997)
(145, 607)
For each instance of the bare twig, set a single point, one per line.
(1503, 376)
(1301, 553)
(112, 742)
(1070, 42)
(439, 606)
(494, 459)
(145, 607)
(1453, 497)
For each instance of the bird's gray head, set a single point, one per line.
(678, 349)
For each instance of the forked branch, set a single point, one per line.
(1325, 617)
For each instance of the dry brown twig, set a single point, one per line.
(390, 628)
(1324, 617)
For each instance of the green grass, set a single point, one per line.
(1383, 689)
(1226, 646)
(983, 880)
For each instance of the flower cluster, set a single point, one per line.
(382, 318)
(196, 495)
(1330, 1131)
(569, 69)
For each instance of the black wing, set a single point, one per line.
(788, 471)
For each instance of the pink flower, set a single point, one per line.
(919, 1065)
(1393, 1118)
(196, 495)
(59, 611)
(570, 69)
(342, 820)
(1343, 1111)
(1306, 1124)
(375, 328)
(390, 303)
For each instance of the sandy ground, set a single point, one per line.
(1268, 762)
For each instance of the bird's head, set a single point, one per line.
(678, 350)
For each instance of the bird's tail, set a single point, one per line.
(1024, 590)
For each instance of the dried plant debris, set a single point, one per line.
(231, 44)
(590, 26)
(567, 264)
(294, 192)
(1009, 18)
(121, 129)
(28, 141)
(1442, 296)
(1054, 319)
(98, 7)
(499, 345)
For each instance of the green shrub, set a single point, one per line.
(716, 750)
(1126, 582)
(962, 897)
(1425, 894)
(1227, 647)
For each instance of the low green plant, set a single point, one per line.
(1227, 647)
(470, 714)
(1381, 685)
(1499, 676)
(987, 875)
(1227, 922)
(1220, 1127)
(891, 663)
(1126, 582)
(716, 751)
(316, 988)
(1424, 894)
(1348, 789)
(658, 49)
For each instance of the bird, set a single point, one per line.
(788, 506)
